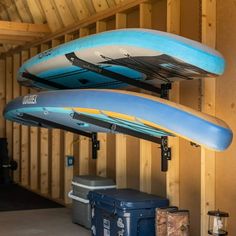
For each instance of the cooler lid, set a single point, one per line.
(127, 198)
(93, 181)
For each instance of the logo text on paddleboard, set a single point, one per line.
(29, 99)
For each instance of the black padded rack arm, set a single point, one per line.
(93, 136)
(102, 71)
(115, 128)
(43, 81)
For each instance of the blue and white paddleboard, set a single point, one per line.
(139, 54)
(145, 114)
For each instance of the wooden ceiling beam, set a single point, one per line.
(24, 29)
(12, 42)
(18, 38)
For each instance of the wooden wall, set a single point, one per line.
(134, 163)
(225, 187)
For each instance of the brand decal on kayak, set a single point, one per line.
(30, 99)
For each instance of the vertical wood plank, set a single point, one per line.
(102, 153)
(16, 126)
(101, 26)
(121, 140)
(68, 151)
(121, 162)
(208, 106)
(34, 144)
(145, 21)
(145, 13)
(172, 177)
(84, 155)
(145, 166)
(2, 97)
(55, 153)
(9, 84)
(24, 136)
(44, 151)
(83, 32)
(68, 173)
(121, 20)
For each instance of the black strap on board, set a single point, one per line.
(76, 61)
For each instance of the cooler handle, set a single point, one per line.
(92, 187)
(70, 195)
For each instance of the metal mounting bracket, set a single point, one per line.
(165, 150)
(165, 154)
(95, 146)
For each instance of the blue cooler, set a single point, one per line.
(124, 212)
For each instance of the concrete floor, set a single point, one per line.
(43, 222)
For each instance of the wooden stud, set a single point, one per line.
(68, 171)
(121, 162)
(55, 153)
(208, 185)
(121, 140)
(101, 26)
(16, 126)
(121, 20)
(55, 165)
(2, 97)
(9, 85)
(145, 11)
(44, 151)
(25, 165)
(34, 145)
(102, 155)
(172, 177)
(68, 151)
(145, 166)
(83, 32)
(84, 155)
(145, 21)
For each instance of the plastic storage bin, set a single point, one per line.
(124, 212)
(81, 185)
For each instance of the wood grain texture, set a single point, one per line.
(2, 97)
(16, 126)
(121, 161)
(9, 86)
(173, 26)
(208, 106)
(25, 165)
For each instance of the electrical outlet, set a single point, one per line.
(69, 160)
